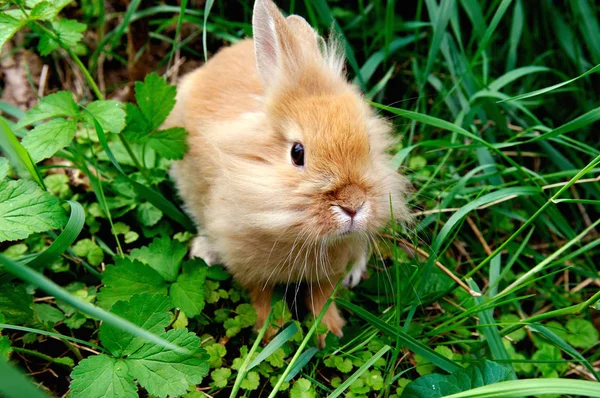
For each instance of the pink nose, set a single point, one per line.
(350, 211)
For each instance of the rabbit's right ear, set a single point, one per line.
(273, 41)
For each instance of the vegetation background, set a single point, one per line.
(494, 292)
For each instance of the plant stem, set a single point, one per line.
(39, 355)
(242, 371)
(300, 349)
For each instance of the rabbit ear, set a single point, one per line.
(272, 39)
(306, 35)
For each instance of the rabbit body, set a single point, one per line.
(266, 217)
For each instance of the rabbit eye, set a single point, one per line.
(298, 154)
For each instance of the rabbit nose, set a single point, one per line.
(351, 210)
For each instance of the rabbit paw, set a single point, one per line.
(356, 273)
(201, 247)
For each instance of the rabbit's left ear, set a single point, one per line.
(273, 41)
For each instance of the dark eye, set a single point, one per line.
(298, 154)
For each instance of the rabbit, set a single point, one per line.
(286, 176)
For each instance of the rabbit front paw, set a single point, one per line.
(356, 273)
(203, 248)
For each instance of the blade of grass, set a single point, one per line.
(439, 18)
(51, 334)
(552, 88)
(17, 154)
(409, 342)
(207, 8)
(243, 370)
(279, 340)
(13, 384)
(563, 345)
(547, 260)
(344, 386)
(490, 331)
(533, 387)
(516, 29)
(530, 220)
(301, 362)
(64, 240)
(472, 205)
(304, 342)
(35, 278)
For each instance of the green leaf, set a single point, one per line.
(3, 168)
(582, 333)
(53, 105)
(101, 376)
(136, 126)
(187, 292)
(46, 139)
(109, 114)
(220, 377)
(302, 389)
(8, 27)
(164, 372)
(5, 348)
(170, 143)
(437, 385)
(246, 315)
(58, 185)
(155, 98)
(251, 381)
(69, 32)
(148, 214)
(164, 255)
(15, 304)
(127, 278)
(216, 352)
(48, 314)
(26, 209)
(148, 311)
(90, 250)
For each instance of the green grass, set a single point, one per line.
(497, 107)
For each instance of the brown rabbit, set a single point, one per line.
(286, 176)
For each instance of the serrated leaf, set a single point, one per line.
(163, 255)
(46, 45)
(44, 10)
(8, 27)
(155, 99)
(187, 292)
(101, 376)
(164, 372)
(53, 105)
(127, 278)
(15, 304)
(69, 31)
(26, 209)
(108, 113)
(437, 385)
(137, 127)
(170, 143)
(148, 311)
(46, 139)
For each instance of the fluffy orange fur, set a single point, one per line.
(267, 220)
